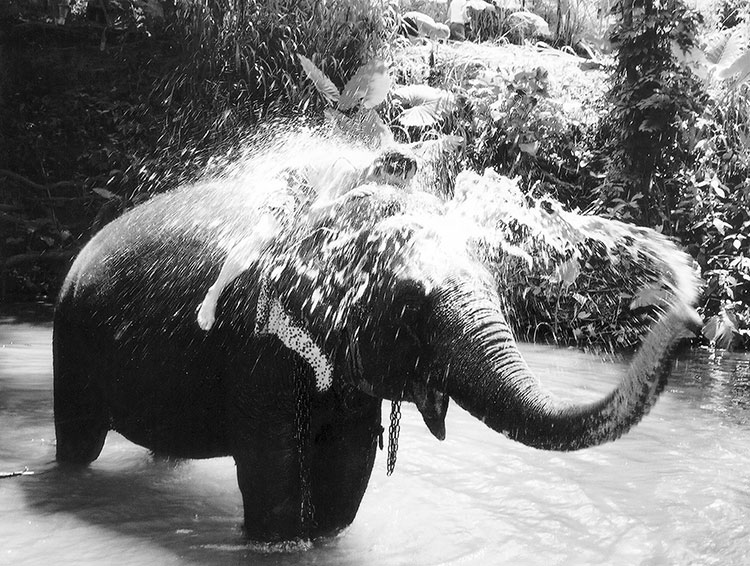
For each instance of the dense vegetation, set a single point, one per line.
(134, 98)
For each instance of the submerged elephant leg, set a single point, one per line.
(268, 476)
(81, 417)
(303, 456)
(262, 408)
(81, 420)
(343, 449)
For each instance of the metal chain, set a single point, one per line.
(393, 431)
(302, 422)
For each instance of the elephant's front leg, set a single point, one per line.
(296, 487)
(303, 456)
(269, 480)
(343, 445)
(262, 411)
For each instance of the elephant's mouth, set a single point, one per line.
(412, 385)
(433, 405)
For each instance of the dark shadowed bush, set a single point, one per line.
(243, 51)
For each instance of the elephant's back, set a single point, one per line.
(166, 245)
(127, 316)
(153, 266)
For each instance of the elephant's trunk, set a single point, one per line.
(487, 376)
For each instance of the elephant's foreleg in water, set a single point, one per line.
(303, 459)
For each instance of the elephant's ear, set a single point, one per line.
(273, 319)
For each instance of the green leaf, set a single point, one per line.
(649, 296)
(718, 188)
(369, 85)
(365, 125)
(720, 329)
(725, 47)
(720, 225)
(567, 273)
(322, 83)
(692, 57)
(740, 66)
(421, 116)
(580, 299)
(425, 105)
(530, 148)
(414, 95)
(374, 128)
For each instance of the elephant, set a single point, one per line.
(373, 301)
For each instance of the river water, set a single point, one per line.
(675, 491)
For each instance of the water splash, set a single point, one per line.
(501, 218)
(268, 548)
(300, 203)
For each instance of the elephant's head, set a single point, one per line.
(400, 310)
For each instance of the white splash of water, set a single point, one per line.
(279, 181)
(498, 216)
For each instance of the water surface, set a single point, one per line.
(676, 490)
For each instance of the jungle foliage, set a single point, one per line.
(668, 149)
(112, 107)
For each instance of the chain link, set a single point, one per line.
(393, 431)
